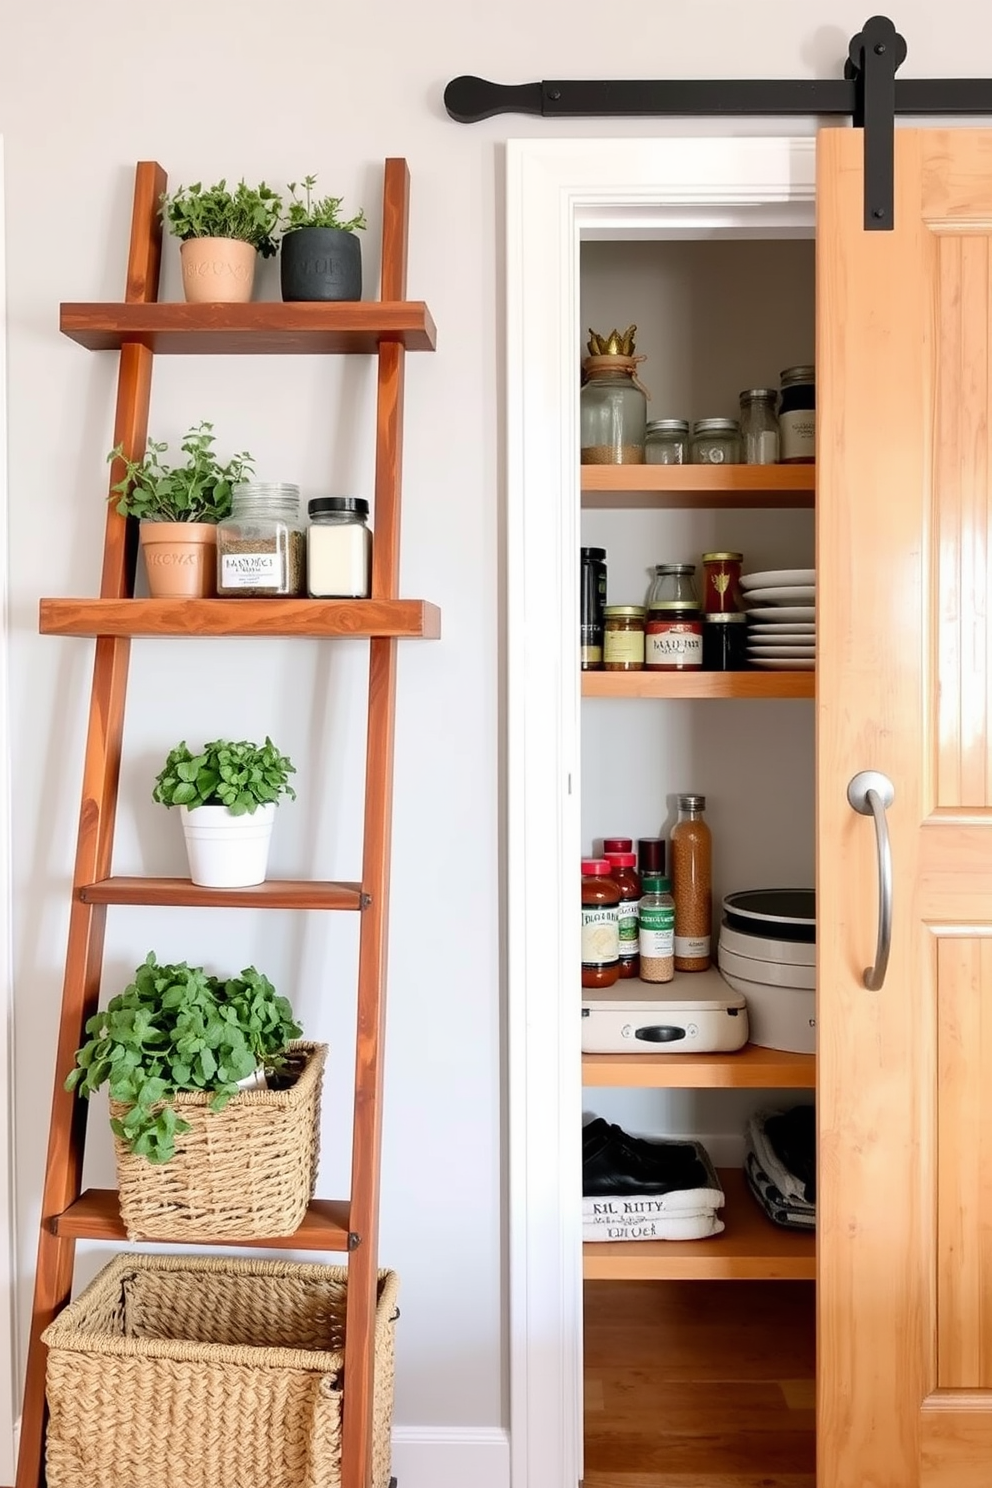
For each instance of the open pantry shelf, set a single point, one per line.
(720, 486)
(750, 1068)
(252, 329)
(96, 1216)
(751, 1248)
(699, 684)
(274, 893)
(411, 618)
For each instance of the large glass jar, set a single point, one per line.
(612, 413)
(716, 441)
(759, 426)
(797, 416)
(673, 639)
(261, 546)
(666, 442)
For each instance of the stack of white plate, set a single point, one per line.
(781, 619)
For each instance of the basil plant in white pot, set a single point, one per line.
(227, 796)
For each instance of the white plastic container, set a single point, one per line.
(770, 973)
(779, 1017)
(695, 1014)
(225, 851)
(339, 548)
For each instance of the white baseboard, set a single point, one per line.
(451, 1457)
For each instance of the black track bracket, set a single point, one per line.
(869, 93)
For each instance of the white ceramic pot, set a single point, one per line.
(225, 851)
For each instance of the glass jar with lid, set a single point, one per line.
(797, 416)
(673, 640)
(666, 442)
(339, 548)
(612, 403)
(716, 441)
(261, 546)
(722, 583)
(623, 638)
(759, 426)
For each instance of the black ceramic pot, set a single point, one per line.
(321, 263)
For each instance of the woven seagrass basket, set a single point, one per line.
(246, 1172)
(177, 1372)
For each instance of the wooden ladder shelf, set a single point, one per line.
(139, 328)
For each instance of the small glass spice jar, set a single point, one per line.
(797, 416)
(339, 548)
(722, 583)
(623, 638)
(759, 426)
(725, 643)
(673, 640)
(261, 546)
(666, 442)
(715, 441)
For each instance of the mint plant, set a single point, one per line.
(175, 1028)
(250, 213)
(320, 212)
(199, 491)
(241, 776)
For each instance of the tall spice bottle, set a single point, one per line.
(692, 883)
(625, 877)
(600, 937)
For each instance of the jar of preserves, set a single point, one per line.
(627, 880)
(612, 403)
(797, 416)
(666, 442)
(592, 602)
(722, 583)
(725, 643)
(656, 936)
(692, 867)
(759, 426)
(715, 441)
(623, 638)
(600, 924)
(673, 640)
(261, 546)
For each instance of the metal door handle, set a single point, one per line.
(870, 793)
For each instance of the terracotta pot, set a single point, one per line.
(217, 270)
(180, 559)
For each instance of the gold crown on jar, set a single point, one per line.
(617, 343)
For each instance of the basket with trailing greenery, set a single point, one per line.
(227, 795)
(178, 508)
(321, 253)
(198, 1155)
(221, 234)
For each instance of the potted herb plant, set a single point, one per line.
(176, 1050)
(227, 796)
(321, 254)
(179, 508)
(221, 232)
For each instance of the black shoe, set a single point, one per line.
(613, 1162)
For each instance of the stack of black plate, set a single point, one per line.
(767, 951)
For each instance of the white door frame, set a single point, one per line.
(559, 192)
(8, 1351)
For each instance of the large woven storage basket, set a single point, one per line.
(246, 1172)
(171, 1372)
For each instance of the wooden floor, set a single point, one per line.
(699, 1384)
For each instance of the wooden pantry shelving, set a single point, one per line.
(614, 487)
(295, 618)
(751, 1248)
(750, 1068)
(699, 684)
(95, 1215)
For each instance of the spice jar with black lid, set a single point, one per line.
(797, 416)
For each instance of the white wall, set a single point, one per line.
(225, 89)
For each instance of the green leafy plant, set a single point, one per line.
(250, 213)
(318, 212)
(175, 1028)
(199, 491)
(241, 776)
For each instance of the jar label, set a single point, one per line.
(657, 930)
(600, 935)
(591, 656)
(251, 571)
(798, 434)
(692, 947)
(674, 643)
(623, 646)
(627, 927)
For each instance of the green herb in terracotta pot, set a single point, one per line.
(321, 254)
(221, 233)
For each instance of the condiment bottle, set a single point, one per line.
(617, 844)
(657, 930)
(674, 634)
(592, 584)
(600, 927)
(627, 880)
(692, 866)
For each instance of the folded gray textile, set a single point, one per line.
(790, 1185)
(790, 1213)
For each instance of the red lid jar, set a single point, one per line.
(600, 924)
(624, 873)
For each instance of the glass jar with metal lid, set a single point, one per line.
(666, 442)
(623, 638)
(722, 583)
(673, 634)
(759, 426)
(716, 441)
(797, 416)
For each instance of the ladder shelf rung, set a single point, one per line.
(275, 893)
(195, 618)
(96, 1216)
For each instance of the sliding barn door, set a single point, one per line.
(904, 356)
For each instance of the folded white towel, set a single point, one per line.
(663, 1227)
(636, 1208)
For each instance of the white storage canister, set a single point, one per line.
(339, 548)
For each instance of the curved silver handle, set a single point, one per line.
(870, 793)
